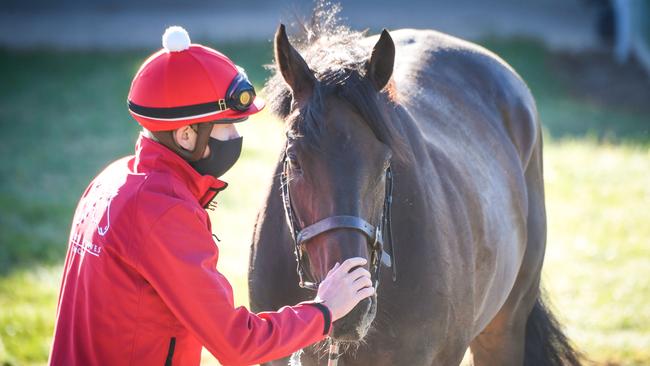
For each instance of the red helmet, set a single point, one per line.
(185, 84)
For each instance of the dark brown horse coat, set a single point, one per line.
(468, 215)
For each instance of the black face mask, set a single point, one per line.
(223, 155)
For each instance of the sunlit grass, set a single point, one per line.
(27, 311)
(598, 259)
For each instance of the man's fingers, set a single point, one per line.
(358, 272)
(362, 282)
(365, 292)
(350, 263)
(333, 268)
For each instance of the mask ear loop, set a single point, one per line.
(203, 136)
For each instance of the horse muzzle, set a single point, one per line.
(355, 325)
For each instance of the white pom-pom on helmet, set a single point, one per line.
(176, 39)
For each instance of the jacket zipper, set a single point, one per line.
(170, 352)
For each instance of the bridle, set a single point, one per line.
(377, 235)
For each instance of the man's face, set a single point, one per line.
(186, 136)
(221, 132)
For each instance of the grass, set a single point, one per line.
(598, 259)
(64, 118)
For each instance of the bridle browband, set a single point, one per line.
(377, 235)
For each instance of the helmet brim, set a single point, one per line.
(228, 116)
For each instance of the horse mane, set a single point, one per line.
(338, 60)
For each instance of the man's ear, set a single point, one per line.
(185, 137)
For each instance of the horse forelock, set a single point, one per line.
(327, 46)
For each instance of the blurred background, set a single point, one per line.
(66, 68)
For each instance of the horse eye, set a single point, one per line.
(293, 160)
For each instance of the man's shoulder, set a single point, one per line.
(140, 197)
(146, 194)
(159, 192)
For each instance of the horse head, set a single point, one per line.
(340, 144)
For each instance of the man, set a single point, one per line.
(140, 285)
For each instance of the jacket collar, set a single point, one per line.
(153, 156)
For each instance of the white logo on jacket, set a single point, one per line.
(94, 213)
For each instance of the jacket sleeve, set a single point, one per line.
(178, 258)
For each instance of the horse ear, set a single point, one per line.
(292, 66)
(380, 66)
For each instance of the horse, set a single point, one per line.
(448, 134)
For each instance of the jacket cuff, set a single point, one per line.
(327, 314)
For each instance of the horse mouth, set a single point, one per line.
(355, 325)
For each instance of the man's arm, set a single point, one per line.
(178, 258)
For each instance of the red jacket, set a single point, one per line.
(140, 285)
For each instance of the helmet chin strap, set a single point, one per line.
(203, 136)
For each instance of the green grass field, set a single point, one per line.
(64, 118)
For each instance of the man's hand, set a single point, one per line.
(341, 290)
